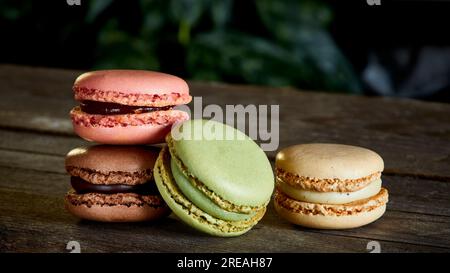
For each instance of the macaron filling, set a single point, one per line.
(110, 108)
(82, 186)
(330, 197)
(201, 200)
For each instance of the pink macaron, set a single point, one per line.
(128, 106)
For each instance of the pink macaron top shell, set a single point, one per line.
(132, 87)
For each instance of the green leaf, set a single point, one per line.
(334, 71)
(186, 13)
(300, 26)
(117, 49)
(96, 8)
(239, 57)
(187, 10)
(15, 11)
(184, 33)
(283, 18)
(220, 12)
(153, 20)
(242, 57)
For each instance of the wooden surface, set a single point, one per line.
(413, 137)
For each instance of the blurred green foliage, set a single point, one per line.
(277, 43)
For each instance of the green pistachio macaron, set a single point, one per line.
(214, 177)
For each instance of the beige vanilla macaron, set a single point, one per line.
(329, 186)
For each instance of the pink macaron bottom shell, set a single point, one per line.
(151, 131)
(136, 99)
(133, 135)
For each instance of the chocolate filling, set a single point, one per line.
(110, 108)
(82, 186)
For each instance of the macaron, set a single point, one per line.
(113, 184)
(214, 177)
(329, 186)
(127, 106)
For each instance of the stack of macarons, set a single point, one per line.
(329, 186)
(114, 183)
(127, 106)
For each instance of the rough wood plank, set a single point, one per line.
(413, 194)
(40, 162)
(400, 224)
(33, 142)
(412, 136)
(44, 97)
(48, 228)
(405, 227)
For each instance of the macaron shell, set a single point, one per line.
(132, 135)
(117, 213)
(155, 117)
(107, 158)
(330, 221)
(119, 207)
(107, 130)
(132, 82)
(111, 178)
(329, 161)
(201, 200)
(236, 170)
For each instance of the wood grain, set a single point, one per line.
(413, 137)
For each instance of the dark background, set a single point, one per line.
(399, 48)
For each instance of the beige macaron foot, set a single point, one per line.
(321, 216)
(331, 221)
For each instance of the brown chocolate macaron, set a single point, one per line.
(114, 184)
